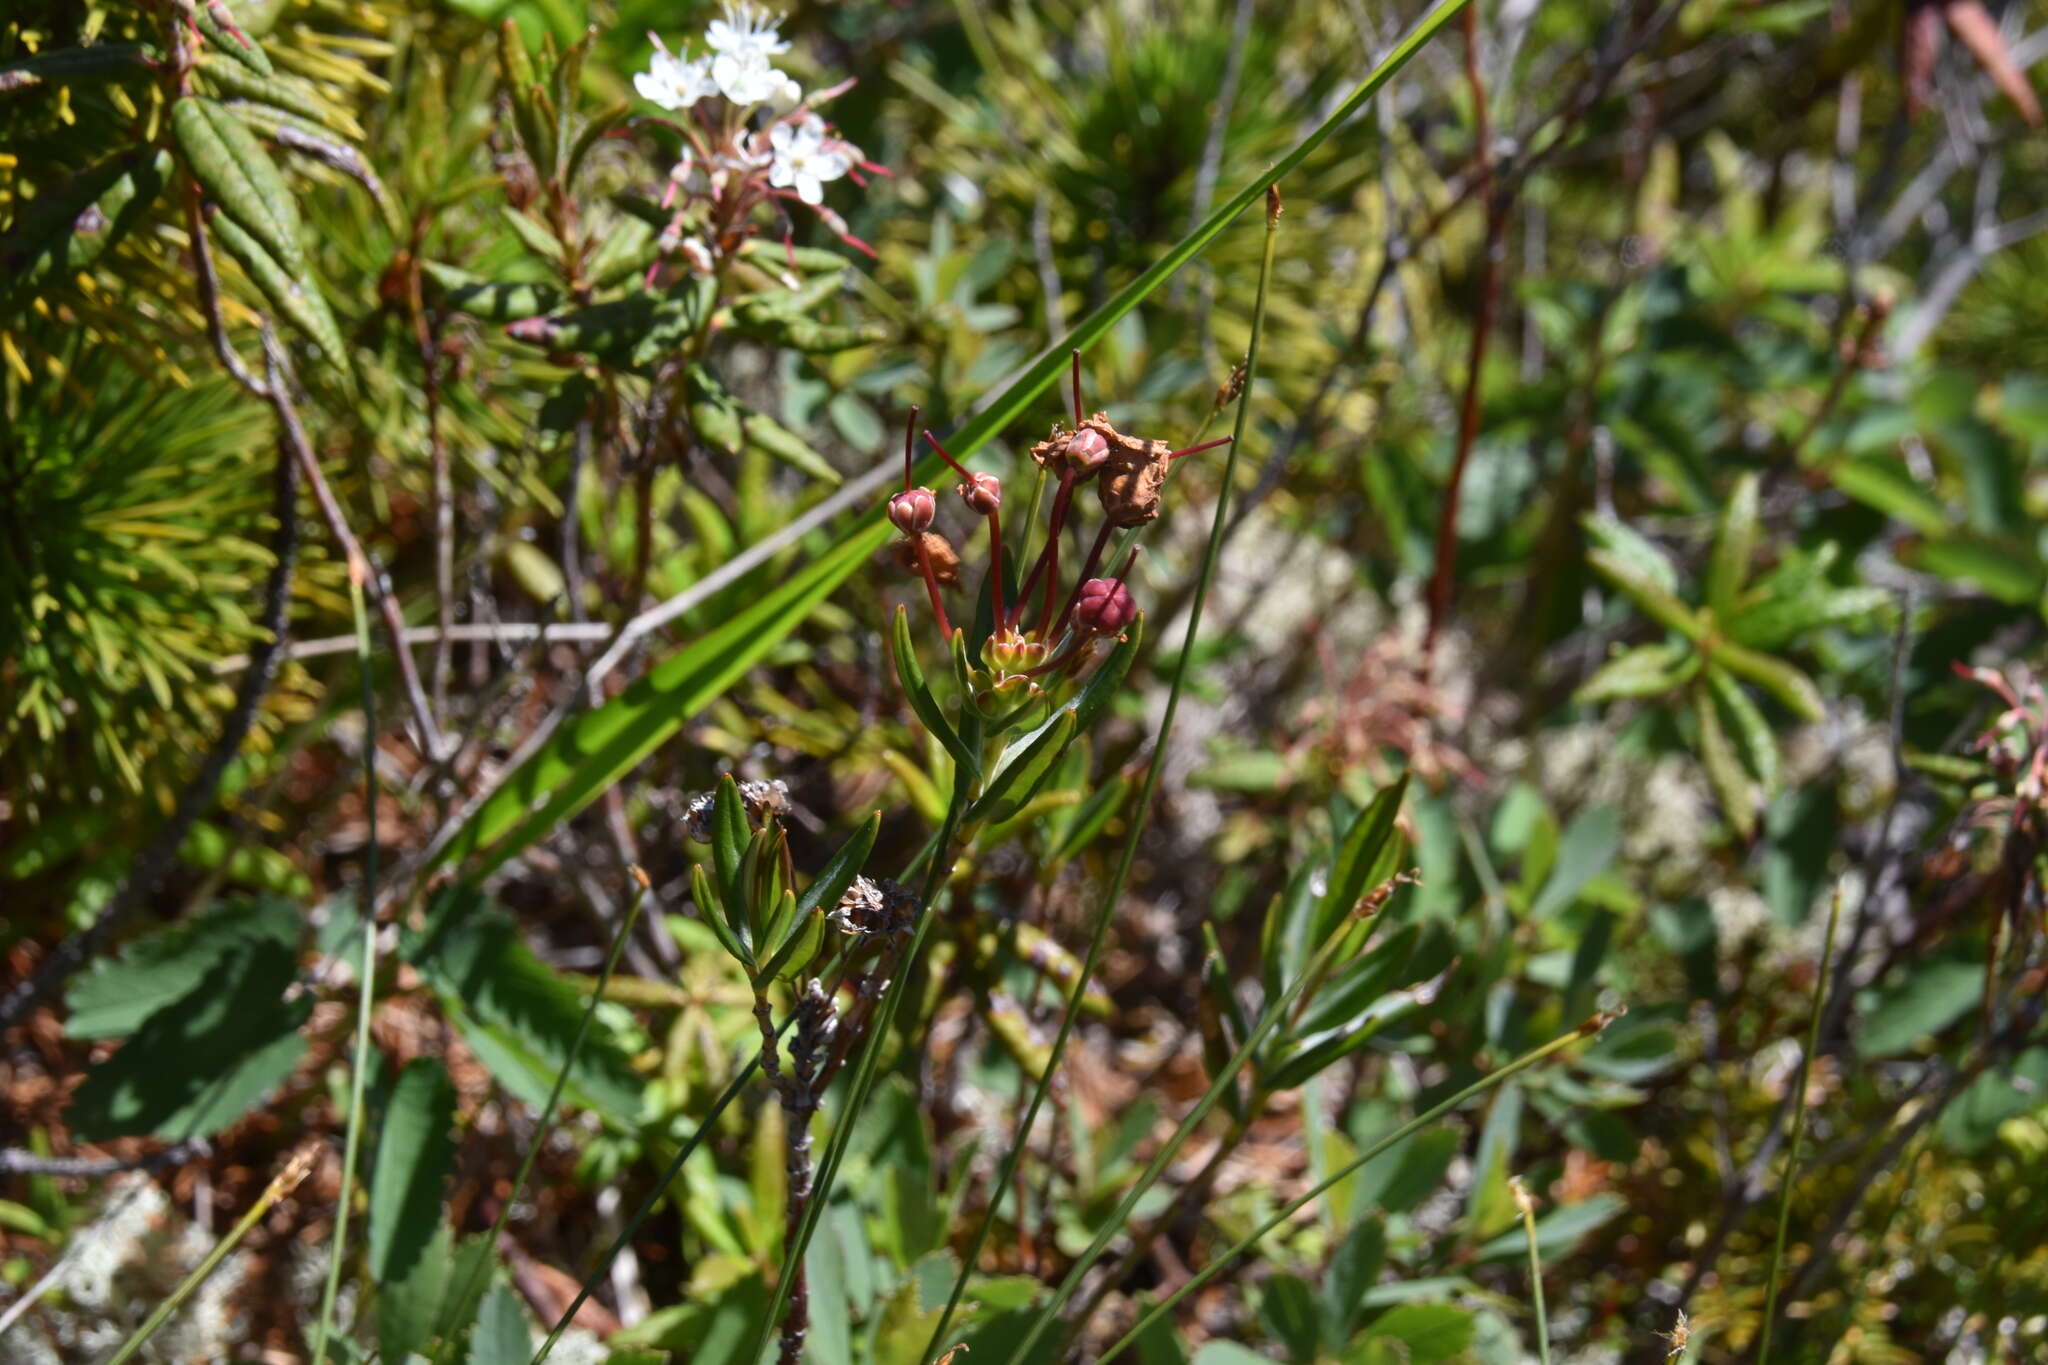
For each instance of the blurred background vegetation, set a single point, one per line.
(1646, 459)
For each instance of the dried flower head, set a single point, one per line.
(944, 559)
(762, 801)
(1133, 475)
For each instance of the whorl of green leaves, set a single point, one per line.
(132, 530)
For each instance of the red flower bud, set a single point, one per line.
(1104, 607)
(912, 510)
(983, 493)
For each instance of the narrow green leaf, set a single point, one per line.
(237, 174)
(1724, 769)
(1356, 857)
(842, 868)
(1753, 736)
(300, 304)
(1645, 671)
(1659, 602)
(713, 911)
(238, 45)
(903, 652)
(1783, 681)
(1734, 547)
(1023, 767)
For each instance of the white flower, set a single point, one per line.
(805, 157)
(674, 83)
(747, 78)
(747, 30)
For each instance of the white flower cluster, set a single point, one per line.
(740, 65)
(799, 152)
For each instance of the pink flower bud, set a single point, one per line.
(1086, 450)
(912, 510)
(1104, 607)
(983, 493)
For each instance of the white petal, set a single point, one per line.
(809, 187)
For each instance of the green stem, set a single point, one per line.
(1100, 933)
(1407, 1130)
(865, 1068)
(1528, 1207)
(668, 1176)
(1820, 990)
(366, 977)
(547, 1112)
(287, 1180)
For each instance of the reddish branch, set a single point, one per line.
(1475, 363)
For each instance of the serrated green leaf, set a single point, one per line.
(113, 996)
(414, 1154)
(504, 1333)
(202, 1061)
(521, 1010)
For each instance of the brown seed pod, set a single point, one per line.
(1133, 477)
(945, 559)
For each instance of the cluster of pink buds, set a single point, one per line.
(1043, 633)
(751, 138)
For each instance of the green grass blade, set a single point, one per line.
(1591, 1028)
(600, 746)
(1099, 935)
(366, 983)
(287, 1180)
(1820, 995)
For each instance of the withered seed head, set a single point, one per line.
(1133, 475)
(1077, 454)
(945, 559)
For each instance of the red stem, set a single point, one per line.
(1475, 361)
(1051, 547)
(1087, 572)
(995, 561)
(1077, 386)
(910, 446)
(931, 583)
(1206, 445)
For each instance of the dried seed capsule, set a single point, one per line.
(1133, 475)
(945, 559)
(912, 510)
(1104, 607)
(1078, 454)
